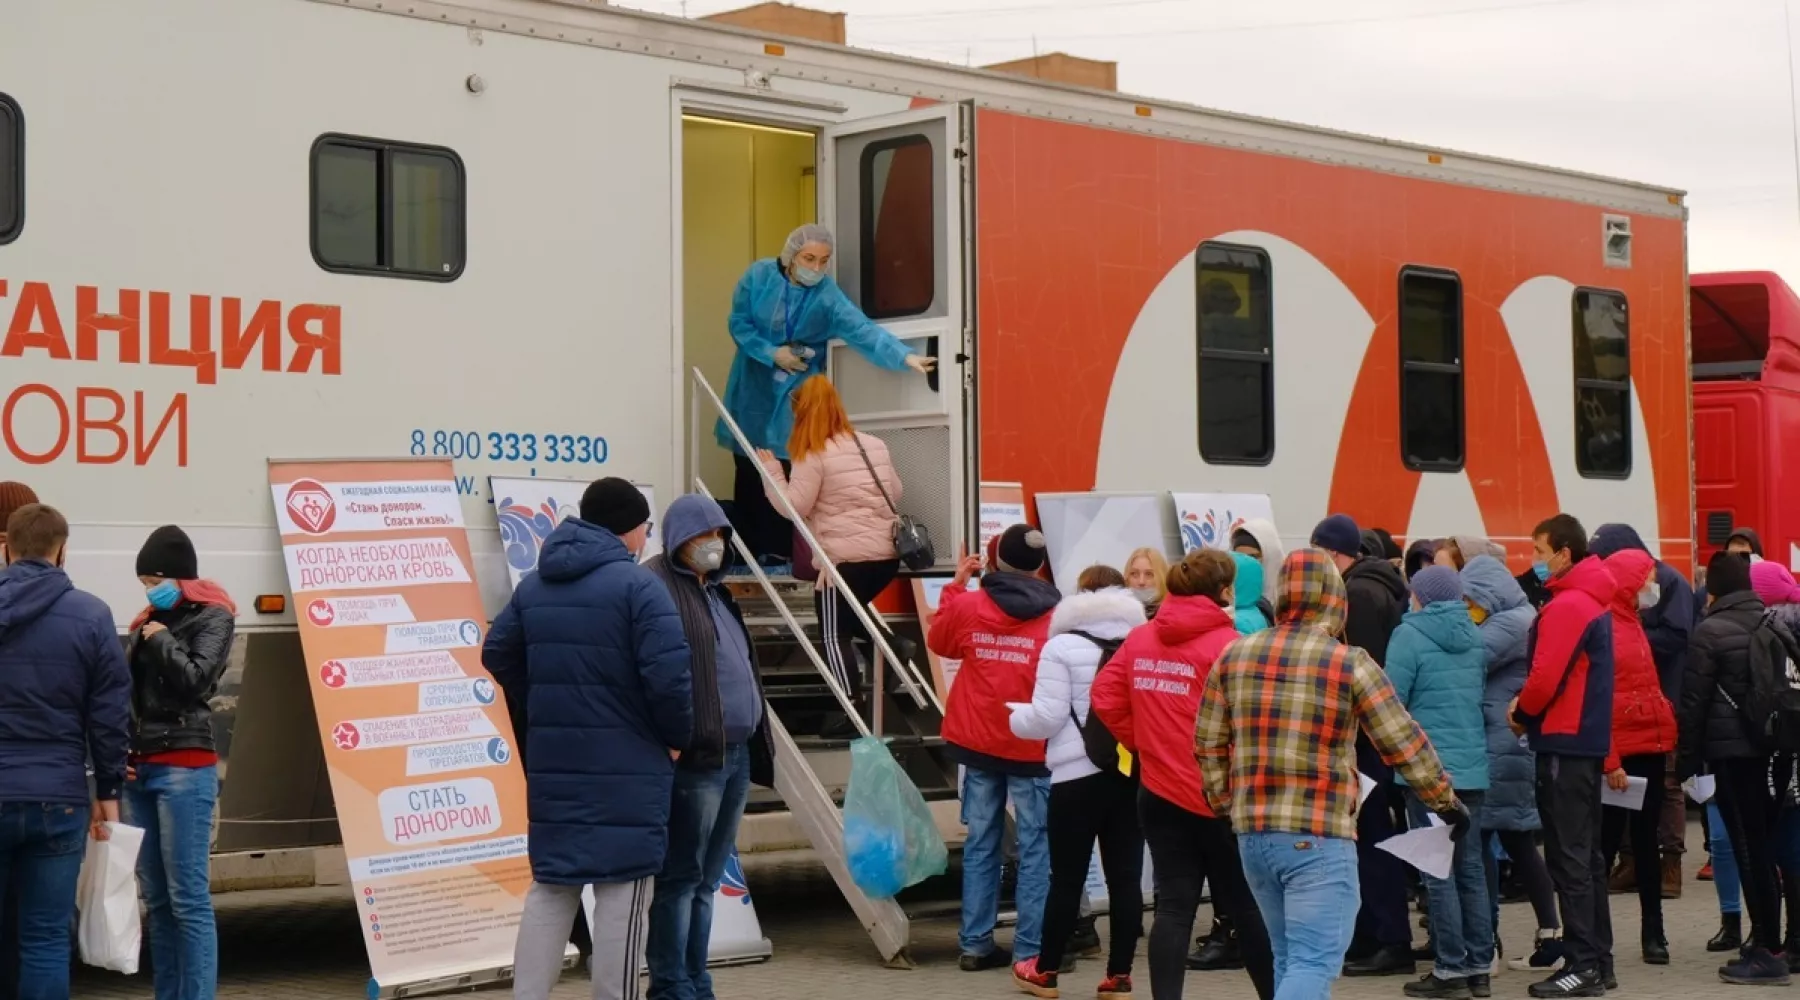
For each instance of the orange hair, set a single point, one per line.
(818, 417)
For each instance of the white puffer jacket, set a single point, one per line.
(1065, 672)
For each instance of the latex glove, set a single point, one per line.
(1457, 818)
(920, 364)
(1617, 779)
(787, 360)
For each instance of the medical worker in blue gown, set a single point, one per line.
(783, 315)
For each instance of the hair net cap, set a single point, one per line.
(812, 232)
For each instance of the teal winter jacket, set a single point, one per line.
(1439, 669)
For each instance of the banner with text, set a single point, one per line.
(418, 744)
(529, 509)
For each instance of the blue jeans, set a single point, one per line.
(174, 805)
(1724, 862)
(984, 795)
(703, 825)
(1462, 921)
(41, 846)
(1307, 890)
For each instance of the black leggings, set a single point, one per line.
(1100, 806)
(1528, 867)
(1749, 815)
(1187, 849)
(1645, 855)
(838, 625)
(757, 521)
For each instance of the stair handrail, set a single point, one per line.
(787, 616)
(827, 569)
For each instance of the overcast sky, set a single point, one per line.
(1692, 94)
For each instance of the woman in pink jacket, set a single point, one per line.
(843, 483)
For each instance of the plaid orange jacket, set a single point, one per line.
(1276, 736)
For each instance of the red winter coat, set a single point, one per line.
(1566, 703)
(996, 633)
(1148, 694)
(1643, 721)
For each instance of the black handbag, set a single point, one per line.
(911, 539)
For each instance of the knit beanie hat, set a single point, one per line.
(1021, 549)
(1436, 584)
(614, 504)
(1727, 573)
(12, 497)
(169, 553)
(1338, 534)
(1774, 584)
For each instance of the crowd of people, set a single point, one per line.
(1228, 711)
(93, 732)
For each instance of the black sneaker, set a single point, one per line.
(1085, 941)
(999, 958)
(1570, 984)
(1481, 986)
(1430, 987)
(1548, 956)
(1758, 968)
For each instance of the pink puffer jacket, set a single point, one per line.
(832, 489)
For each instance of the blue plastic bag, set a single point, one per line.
(890, 841)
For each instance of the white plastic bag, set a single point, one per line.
(109, 933)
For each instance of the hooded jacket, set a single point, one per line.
(65, 692)
(1566, 704)
(1149, 694)
(1281, 711)
(1511, 801)
(707, 609)
(1748, 535)
(996, 632)
(836, 494)
(1060, 700)
(1669, 625)
(1711, 723)
(1247, 612)
(592, 645)
(1437, 665)
(1268, 540)
(1643, 720)
(1378, 598)
(1471, 546)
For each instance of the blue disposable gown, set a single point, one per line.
(754, 396)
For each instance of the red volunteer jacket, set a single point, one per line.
(996, 633)
(1566, 704)
(1148, 694)
(1643, 721)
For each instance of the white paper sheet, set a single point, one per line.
(1631, 798)
(1428, 849)
(1700, 788)
(1368, 785)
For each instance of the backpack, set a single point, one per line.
(1772, 707)
(1101, 745)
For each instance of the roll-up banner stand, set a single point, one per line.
(528, 510)
(1084, 529)
(417, 742)
(1208, 519)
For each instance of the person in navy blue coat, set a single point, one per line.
(592, 649)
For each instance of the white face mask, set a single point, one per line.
(707, 556)
(1650, 596)
(1145, 595)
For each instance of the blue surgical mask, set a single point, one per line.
(806, 276)
(164, 595)
(1542, 570)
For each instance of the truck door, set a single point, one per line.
(895, 190)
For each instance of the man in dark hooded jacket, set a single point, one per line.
(591, 644)
(1377, 599)
(731, 749)
(1745, 541)
(1668, 623)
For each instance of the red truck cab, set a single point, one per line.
(1746, 370)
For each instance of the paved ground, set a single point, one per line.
(303, 944)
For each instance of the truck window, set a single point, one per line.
(1431, 370)
(1602, 384)
(1235, 326)
(898, 227)
(387, 208)
(12, 169)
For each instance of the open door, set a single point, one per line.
(895, 190)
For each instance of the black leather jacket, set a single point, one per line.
(174, 674)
